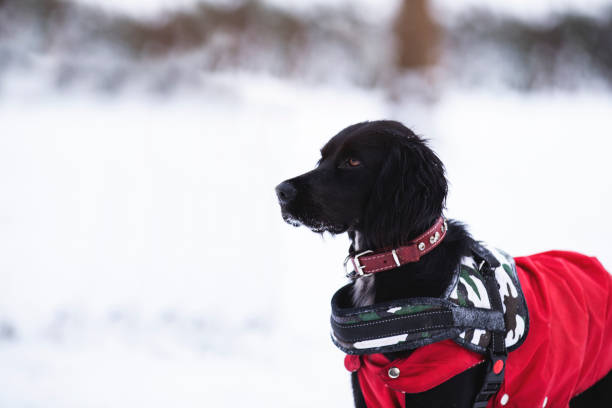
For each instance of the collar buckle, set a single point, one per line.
(357, 272)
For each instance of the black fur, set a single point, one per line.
(396, 192)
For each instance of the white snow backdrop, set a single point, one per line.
(144, 262)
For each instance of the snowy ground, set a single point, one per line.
(374, 8)
(144, 261)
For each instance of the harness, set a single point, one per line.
(483, 310)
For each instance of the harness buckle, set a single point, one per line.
(494, 378)
(358, 271)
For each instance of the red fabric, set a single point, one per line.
(352, 363)
(568, 347)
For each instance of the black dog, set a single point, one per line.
(383, 185)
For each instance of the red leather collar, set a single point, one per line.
(368, 262)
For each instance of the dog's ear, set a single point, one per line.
(408, 195)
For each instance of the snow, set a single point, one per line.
(374, 10)
(144, 261)
(369, 9)
(525, 8)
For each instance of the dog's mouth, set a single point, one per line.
(313, 224)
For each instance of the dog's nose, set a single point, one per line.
(285, 192)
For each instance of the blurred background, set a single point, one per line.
(143, 259)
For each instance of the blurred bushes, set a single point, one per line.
(206, 37)
(80, 43)
(57, 20)
(562, 52)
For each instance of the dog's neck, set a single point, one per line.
(428, 277)
(364, 291)
(357, 241)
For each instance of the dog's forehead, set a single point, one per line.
(350, 141)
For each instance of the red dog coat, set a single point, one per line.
(568, 347)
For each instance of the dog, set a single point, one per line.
(382, 185)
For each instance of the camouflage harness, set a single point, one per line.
(483, 310)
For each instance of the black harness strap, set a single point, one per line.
(450, 317)
(497, 353)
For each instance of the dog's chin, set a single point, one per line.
(317, 226)
(289, 219)
(331, 228)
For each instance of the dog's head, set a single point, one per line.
(377, 178)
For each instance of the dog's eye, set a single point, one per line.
(353, 162)
(350, 163)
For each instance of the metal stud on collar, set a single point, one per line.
(434, 238)
(421, 246)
